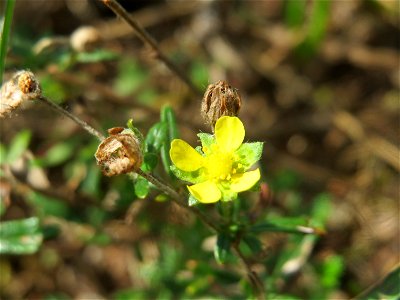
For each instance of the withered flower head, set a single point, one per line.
(120, 153)
(21, 87)
(220, 99)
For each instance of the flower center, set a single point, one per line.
(218, 164)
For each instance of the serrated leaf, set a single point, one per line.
(18, 146)
(249, 153)
(222, 247)
(142, 187)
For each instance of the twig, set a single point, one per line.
(254, 279)
(74, 118)
(147, 39)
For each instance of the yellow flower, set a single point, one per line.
(218, 168)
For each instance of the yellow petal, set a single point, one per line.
(243, 182)
(229, 132)
(184, 156)
(205, 192)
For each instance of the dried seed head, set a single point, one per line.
(220, 99)
(21, 87)
(120, 153)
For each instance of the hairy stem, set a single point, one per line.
(74, 118)
(147, 39)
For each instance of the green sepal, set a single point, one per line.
(206, 139)
(136, 132)
(226, 193)
(192, 177)
(249, 154)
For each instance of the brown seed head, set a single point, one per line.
(220, 99)
(21, 87)
(120, 153)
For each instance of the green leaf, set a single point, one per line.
(321, 209)
(18, 146)
(199, 74)
(253, 242)
(150, 161)
(142, 187)
(222, 247)
(168, 116)
(156, 137)
(19, 227)
(95, 56)
(6, 28)
(130, 76)
(386, 289)
(294, 12)
(316, 29)
(332, 269)
(249, 153)
(46, 206)
(56, 155)
(53, 89)
(288, 225)
(206, 139)
(20, 236)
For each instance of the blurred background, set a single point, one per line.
(319, 81)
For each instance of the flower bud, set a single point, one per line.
(21, 87)
(220, 99)
(120, 153)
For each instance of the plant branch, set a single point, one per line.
(147, 39)
(254, 279)
(74, 118)
(177, 198)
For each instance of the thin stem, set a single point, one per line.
(147, 39)
(177, 198)
(74, 118)
(254, 279)
(4, 35)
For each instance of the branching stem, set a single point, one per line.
(74, 118)
(148, 40)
